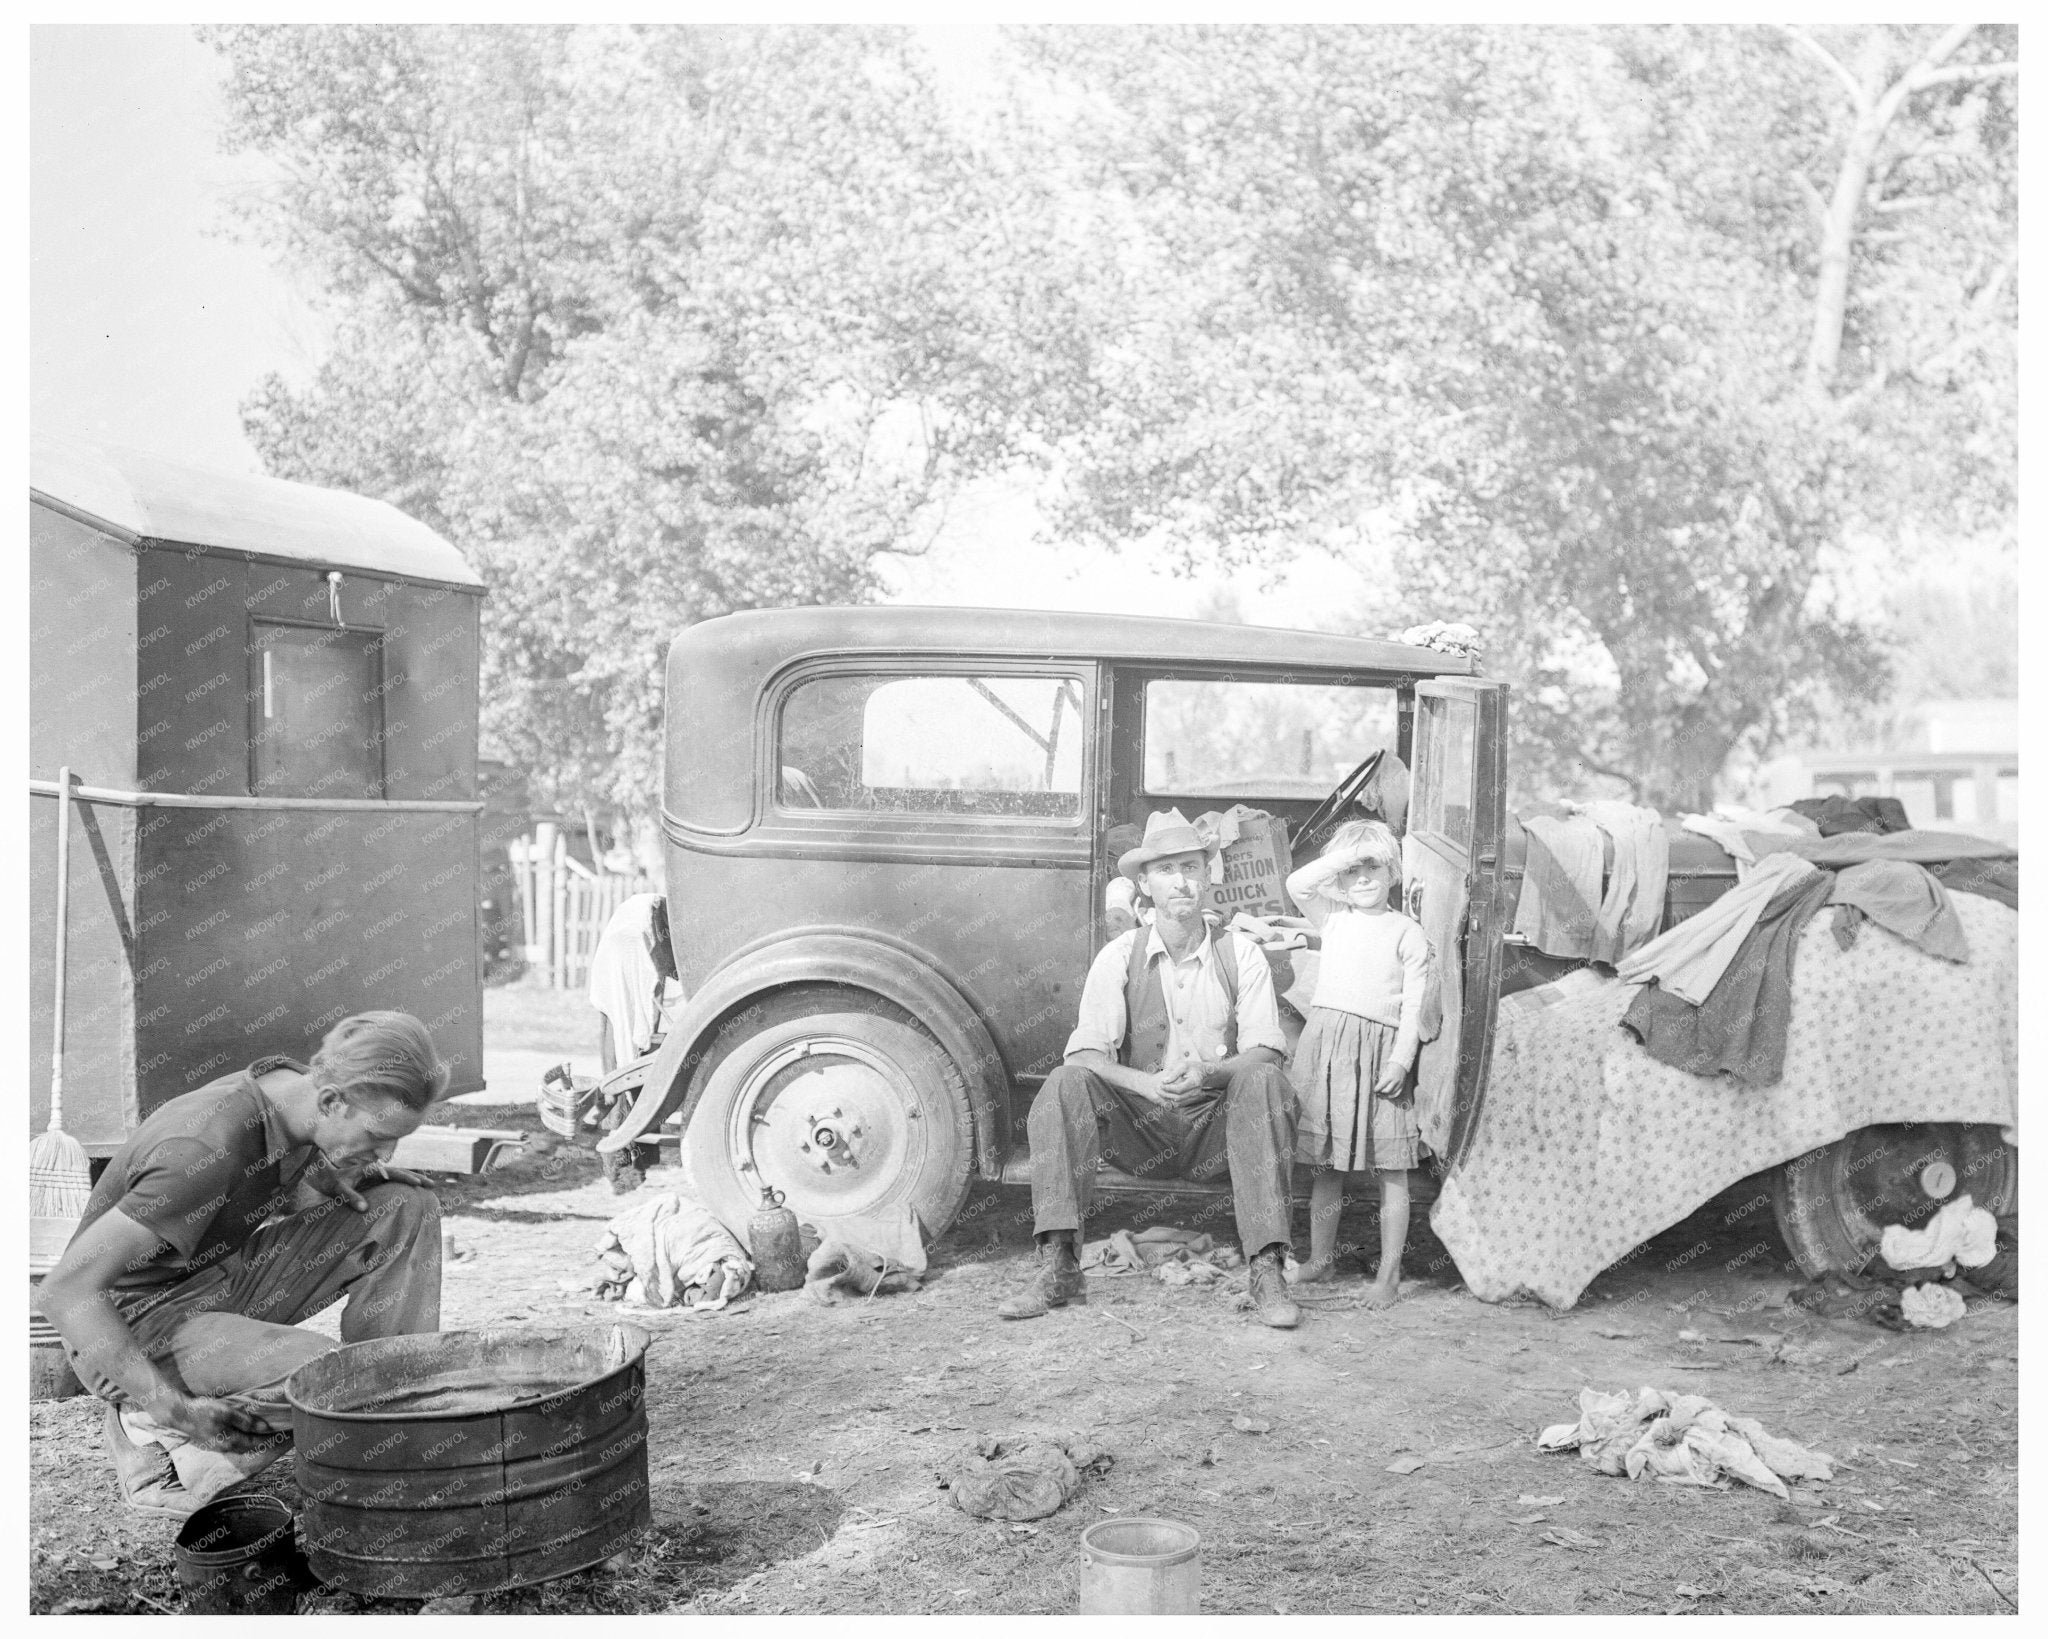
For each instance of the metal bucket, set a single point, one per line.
(1141, 1567)
(465, 1462)
(236, 1557)
(50, 1375)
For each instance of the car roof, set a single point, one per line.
(136, 497)
(762, 641)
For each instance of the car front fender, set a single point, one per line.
(861, 961)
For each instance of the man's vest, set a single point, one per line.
(1146, 1022)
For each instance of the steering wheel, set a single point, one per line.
(1341, 796)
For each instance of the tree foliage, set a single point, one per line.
(655, 323)
(1624, 337)
(1541, 304)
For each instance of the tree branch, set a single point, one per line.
(1965, 72)
(1858, 97)
(1931, 59)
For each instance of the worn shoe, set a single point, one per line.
(1269, 1292)
(1058, 1282)
(148, 1478)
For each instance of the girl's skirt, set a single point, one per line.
(1340, 1122)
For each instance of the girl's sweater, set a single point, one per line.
(1374, 963)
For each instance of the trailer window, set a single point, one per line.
(993, 745)
(317, 712)
(1219, 737)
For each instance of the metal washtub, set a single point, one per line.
(465, 1462)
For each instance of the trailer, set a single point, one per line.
(264, 698)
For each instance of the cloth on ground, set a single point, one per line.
(867, 1256)
(672, 1251)
(1997, 879)
(1178, 1257)
(1558, 908)
(1929, 848)
(1839, 816)
(1961, 1232)
(1688, 960)
(1740, 1028)
(1632, 909)
(1585, 1146)
(1931, 1307)
(626, 978)
(1682, 1439)
(1021, 1476)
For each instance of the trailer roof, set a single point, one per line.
(760, 641)
(137, 497)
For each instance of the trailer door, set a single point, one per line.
(1451, 865)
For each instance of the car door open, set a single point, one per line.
(1451, 863)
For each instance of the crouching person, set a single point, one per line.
(230, 1215)
(1173, 1072)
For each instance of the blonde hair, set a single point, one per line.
(381, 1055)
(1372, 839)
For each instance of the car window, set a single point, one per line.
(1220, 737)
(1444, 733)
(992, 745)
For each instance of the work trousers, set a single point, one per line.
(231, 1331)
(1242, 1134)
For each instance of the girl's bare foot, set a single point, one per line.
(1314, 1270)
(1382, 1294)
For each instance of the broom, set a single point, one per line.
(59, 1177)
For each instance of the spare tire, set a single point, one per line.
(1834, 1203)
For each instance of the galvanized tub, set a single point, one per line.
(465, 1462)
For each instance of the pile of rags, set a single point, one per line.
(1682, 1439)
(671, 1253)
(867, 1256)
(1177, 1257)
(1020, 1476)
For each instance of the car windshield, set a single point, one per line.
(1223, 737)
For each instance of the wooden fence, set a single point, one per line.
(564, 905)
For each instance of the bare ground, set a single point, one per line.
(793, 1448)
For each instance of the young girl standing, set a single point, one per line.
(1351, 1067)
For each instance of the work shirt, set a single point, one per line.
(1196, 1004)
(201, 1174)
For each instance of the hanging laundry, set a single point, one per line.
(1730, 826)
(1632, 910)
(1902, 896)
(1837, 815)
(1558, 909)
(1928, 848)
(1689, 959)
(1740, 1029)
(1997, 879)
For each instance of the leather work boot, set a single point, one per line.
(1269, 1291)
(1057, 1282)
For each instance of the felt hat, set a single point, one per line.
(1166, 834)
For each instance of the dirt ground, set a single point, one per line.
(793, 1448)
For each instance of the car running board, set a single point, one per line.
(1109, 1181)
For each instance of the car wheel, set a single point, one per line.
(1834, 1203)
(845, 1109)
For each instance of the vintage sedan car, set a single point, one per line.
(888, 846)
(889, 840)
